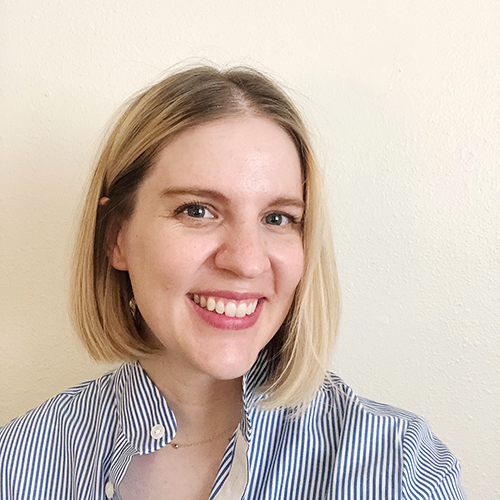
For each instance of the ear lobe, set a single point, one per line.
(116, 254)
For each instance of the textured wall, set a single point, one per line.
(404, 99)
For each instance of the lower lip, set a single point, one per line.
(224, 322)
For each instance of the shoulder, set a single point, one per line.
(64, 430)
(69, 407)
(392, 443)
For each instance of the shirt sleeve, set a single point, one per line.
(430, 470)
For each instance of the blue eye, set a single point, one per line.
(277, 219)
(195, 211)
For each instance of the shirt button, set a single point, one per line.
(110, 490)
(157, 432)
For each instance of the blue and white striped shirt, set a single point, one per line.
(79, 444)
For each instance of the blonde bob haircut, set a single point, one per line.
(102, 305)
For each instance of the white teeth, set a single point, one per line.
(241, 310)
(230, 309)
(210, 303)
(251, 307)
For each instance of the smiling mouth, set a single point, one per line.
(230, 308)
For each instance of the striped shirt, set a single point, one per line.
(79, 444)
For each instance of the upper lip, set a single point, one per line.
(229, 295)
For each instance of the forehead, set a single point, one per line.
(244, 155)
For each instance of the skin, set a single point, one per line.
(241, 234)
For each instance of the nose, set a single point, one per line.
(243, 252)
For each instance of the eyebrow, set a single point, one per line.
(217, 195)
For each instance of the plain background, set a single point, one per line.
(403, 100)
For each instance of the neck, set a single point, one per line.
(203, 406)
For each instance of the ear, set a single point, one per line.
(116, 253)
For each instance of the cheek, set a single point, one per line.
(186, 256)
(298, 267)
(177, 254)
(174, 266)
(291, 266)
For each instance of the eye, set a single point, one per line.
(279, 219)
(195, 211)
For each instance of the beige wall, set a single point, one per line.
(404, 98)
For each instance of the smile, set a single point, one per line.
(226, 310)
(230, 308)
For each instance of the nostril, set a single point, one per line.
(245, 258)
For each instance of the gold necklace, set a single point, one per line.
(176, 446)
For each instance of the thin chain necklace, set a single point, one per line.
(176, 446)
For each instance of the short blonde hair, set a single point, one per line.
(102, 299)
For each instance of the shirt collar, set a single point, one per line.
(143, 413)
(260, 373)
(147, 421)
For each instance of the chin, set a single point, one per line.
(228, 367)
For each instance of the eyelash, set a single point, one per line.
(191, 204)
(294, 221)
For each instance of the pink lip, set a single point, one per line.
(226, 294)
(224, 322)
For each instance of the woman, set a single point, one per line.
(204, 259)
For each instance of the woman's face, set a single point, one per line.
(217, 224)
